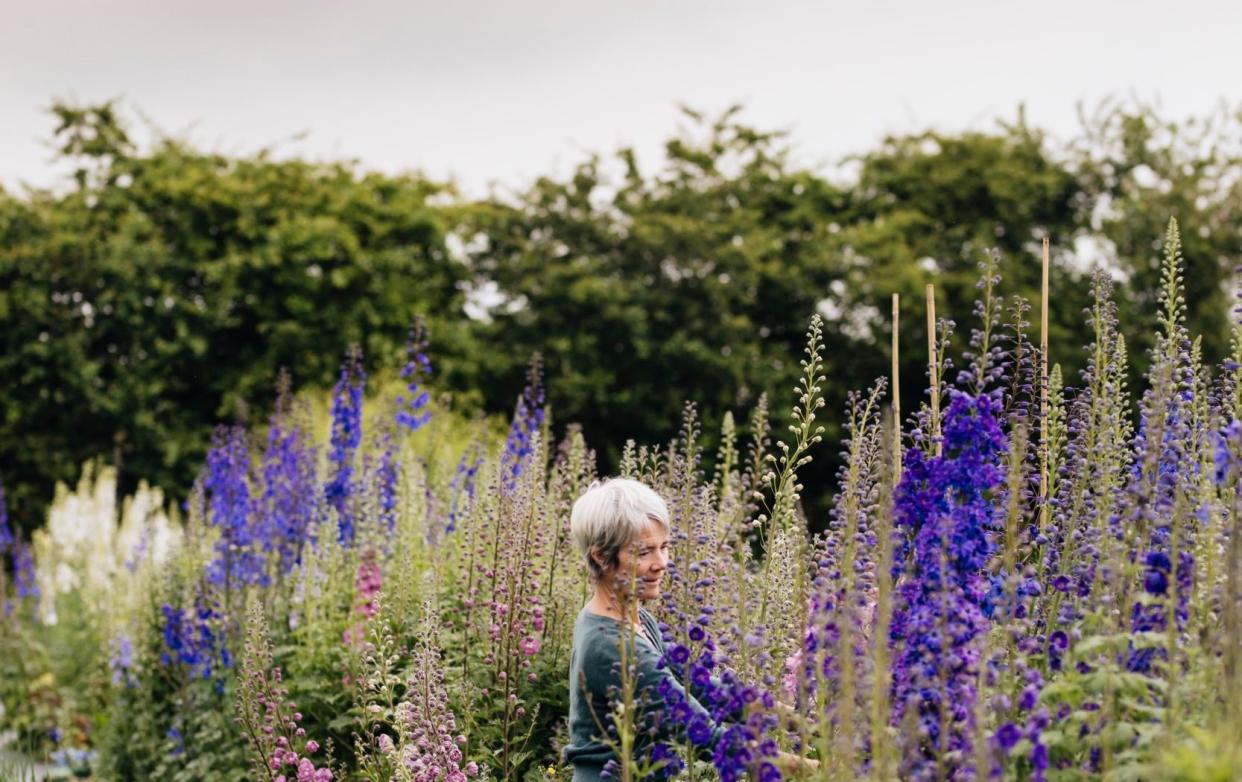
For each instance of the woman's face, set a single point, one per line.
(645, 562)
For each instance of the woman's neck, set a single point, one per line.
(607, 603)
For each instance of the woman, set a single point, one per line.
(621, 529)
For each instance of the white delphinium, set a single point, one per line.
(75, 550)
(83, 548)
(146, 534)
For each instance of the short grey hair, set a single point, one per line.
(611, 515)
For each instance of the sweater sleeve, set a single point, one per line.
(681, 714)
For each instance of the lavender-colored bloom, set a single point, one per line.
(463, 484)
(527, 418)
(346, 437)
(122, 662)
(412, 412)
(24, 582)
(1227, 453)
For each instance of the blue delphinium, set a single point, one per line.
(346, 437)
(412, 412)
(289, 502)
(237, 561)
(527, 418)
(191, 639)
(946, 506)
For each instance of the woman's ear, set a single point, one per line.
(597, 557)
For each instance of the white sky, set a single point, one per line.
(505, 91)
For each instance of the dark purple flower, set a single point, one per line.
(946, 505)
(1007, 736)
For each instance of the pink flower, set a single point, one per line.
(789, 682)
(530, 646)
(385, 744)
(312, 747)
(306, 771)
(323, 775)
(472, 769)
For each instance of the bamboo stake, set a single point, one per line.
(1044, 456)
(896, 391)
(932, 364)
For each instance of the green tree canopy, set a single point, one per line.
(161, 294)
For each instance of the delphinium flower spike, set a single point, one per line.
(528, 417)
(6, 534)
(346, 437)
(290, 500)
(412, 412)
(946, 506)
(238, 559)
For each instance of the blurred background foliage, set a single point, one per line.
(161, 290)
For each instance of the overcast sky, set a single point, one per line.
(505, 91)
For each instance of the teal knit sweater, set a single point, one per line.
(594, 666)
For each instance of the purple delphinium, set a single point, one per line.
(946, 505)
(412, 412)
(237, 562)
(122, 662)
(745, 745)
(843, 594)
(289, 502)
(1095, 467)
(1228, 452)
(527, 418)
(463, 484)
(430, 748)
(386, 485)
(6, 534)
(24, 582)
(346, 437)
(1163, 469)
